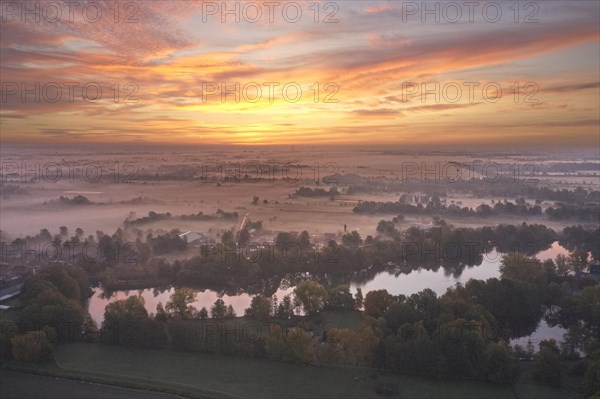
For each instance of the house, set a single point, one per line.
(196, 239)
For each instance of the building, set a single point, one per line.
(196, 239)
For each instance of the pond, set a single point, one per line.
(406, 284)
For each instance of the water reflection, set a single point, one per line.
(395, 278)
(152, 296)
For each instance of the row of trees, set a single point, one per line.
(309, 296)
(435, 206)
(131, 221)
(584, 212)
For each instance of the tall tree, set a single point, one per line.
(311, 295)
(218, 310)
(180, 303)
(260, 308)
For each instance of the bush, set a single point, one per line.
(500, 364)
(547, 367)
(32, 347)
(578, 368)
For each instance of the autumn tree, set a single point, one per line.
(311, 295)
(31, 347)
(377, 302)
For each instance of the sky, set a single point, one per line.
(388, 73)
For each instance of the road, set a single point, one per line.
(10, 292)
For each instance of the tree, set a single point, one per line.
(62, 278)
(399, 313)
(358, 299)
(31, 347)
(412, 351)
(352, 239)
(243, 237)
(311, 295)
(285, 310)
(230, 314)
(203, 313)
(255, 200)
(562, 265)
(218, 310)
(161, 314)
(274, 305)
(304, 240)
(45, 304)
(260, 308)
(547, 364)
(227, 239)
(377, 302)
(64, 231)
(515, 306)
(500, 364)
(518, 267)
(386, 227)
(591, 384)
(180, 303)
(124, 320)
(284, 239)
(522, 353)
(578, 260)
(341, 298)
(292, 345)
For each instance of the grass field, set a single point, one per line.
(202, 375)
(21, 385)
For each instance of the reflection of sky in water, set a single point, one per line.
(152, 297)
(406, 284)
(439, 281)
(543, 332)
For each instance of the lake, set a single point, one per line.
(406, 284)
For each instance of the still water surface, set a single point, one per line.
(406, 284)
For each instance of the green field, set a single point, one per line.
(15, 385)
(203, 375)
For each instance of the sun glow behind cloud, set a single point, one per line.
(167, 66)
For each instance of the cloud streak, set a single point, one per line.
(174, 51)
